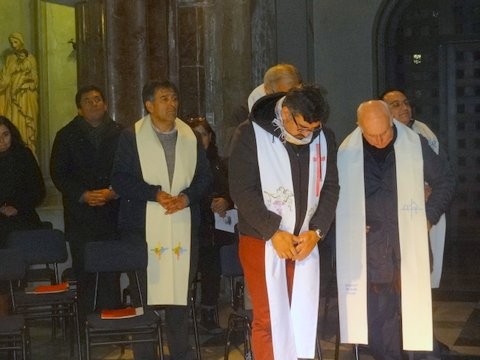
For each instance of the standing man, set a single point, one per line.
(382, 227)
(278, 78)
(402, 111)
(283, 179)
(161, 172)
(80, 166)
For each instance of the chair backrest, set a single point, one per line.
(230, 261)
(12, 265)
(40, 246)
(115, 256)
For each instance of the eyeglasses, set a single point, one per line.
(304, 130)
(92, 101)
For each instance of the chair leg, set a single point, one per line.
(160, 341)
(76, 324)
(87, 343)
(356, 352)
(14, 345)
(247, 345)
(195, 329)
(24, 344)
(231, 324)
(28, 351)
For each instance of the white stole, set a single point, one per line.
(293, 327)
(351, 242)
(437, 232)
(168, 236)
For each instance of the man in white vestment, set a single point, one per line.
(401, 110)
(161, 173)
(283, 180)
(382, 224)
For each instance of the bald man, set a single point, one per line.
(382, 222)
(278, 78)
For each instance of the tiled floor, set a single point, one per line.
(456, 313)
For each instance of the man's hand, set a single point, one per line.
(170, 203)
(163, 198)
(306, 242)
(284, 244)
(98, 197)
(219, 205)
(8, 210)
(428, 191)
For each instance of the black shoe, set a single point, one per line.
(211, 327)
(209, 323)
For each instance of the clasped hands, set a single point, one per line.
(289, 246)
(171, 203)
(220, 206)
(8, 210)
(98, 197)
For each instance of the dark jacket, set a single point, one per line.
(383, 244)
(219, 188)
(21, 186)
(244, 177)
(80, 163)
(127, 180)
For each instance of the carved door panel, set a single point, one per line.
(462, 101)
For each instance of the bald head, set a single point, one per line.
(375, 120)
(281, 78)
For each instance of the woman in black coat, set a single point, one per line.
(218, 201)
(21, 183)
(21, 190)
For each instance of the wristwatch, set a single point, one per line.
(320, 234)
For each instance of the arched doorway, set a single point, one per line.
(431, 49)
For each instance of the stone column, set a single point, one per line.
(126, 57)
(264, 38)
(90, 25)
(121, 44)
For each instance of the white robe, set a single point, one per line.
(351, 242)
(294, 326)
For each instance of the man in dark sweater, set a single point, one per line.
(80, 166)
(162, 173)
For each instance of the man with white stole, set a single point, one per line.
(161, 172)
(382, 223)
(401, 110)
(283, 180)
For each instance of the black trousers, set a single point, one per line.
(209, 267)
(384, 322)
